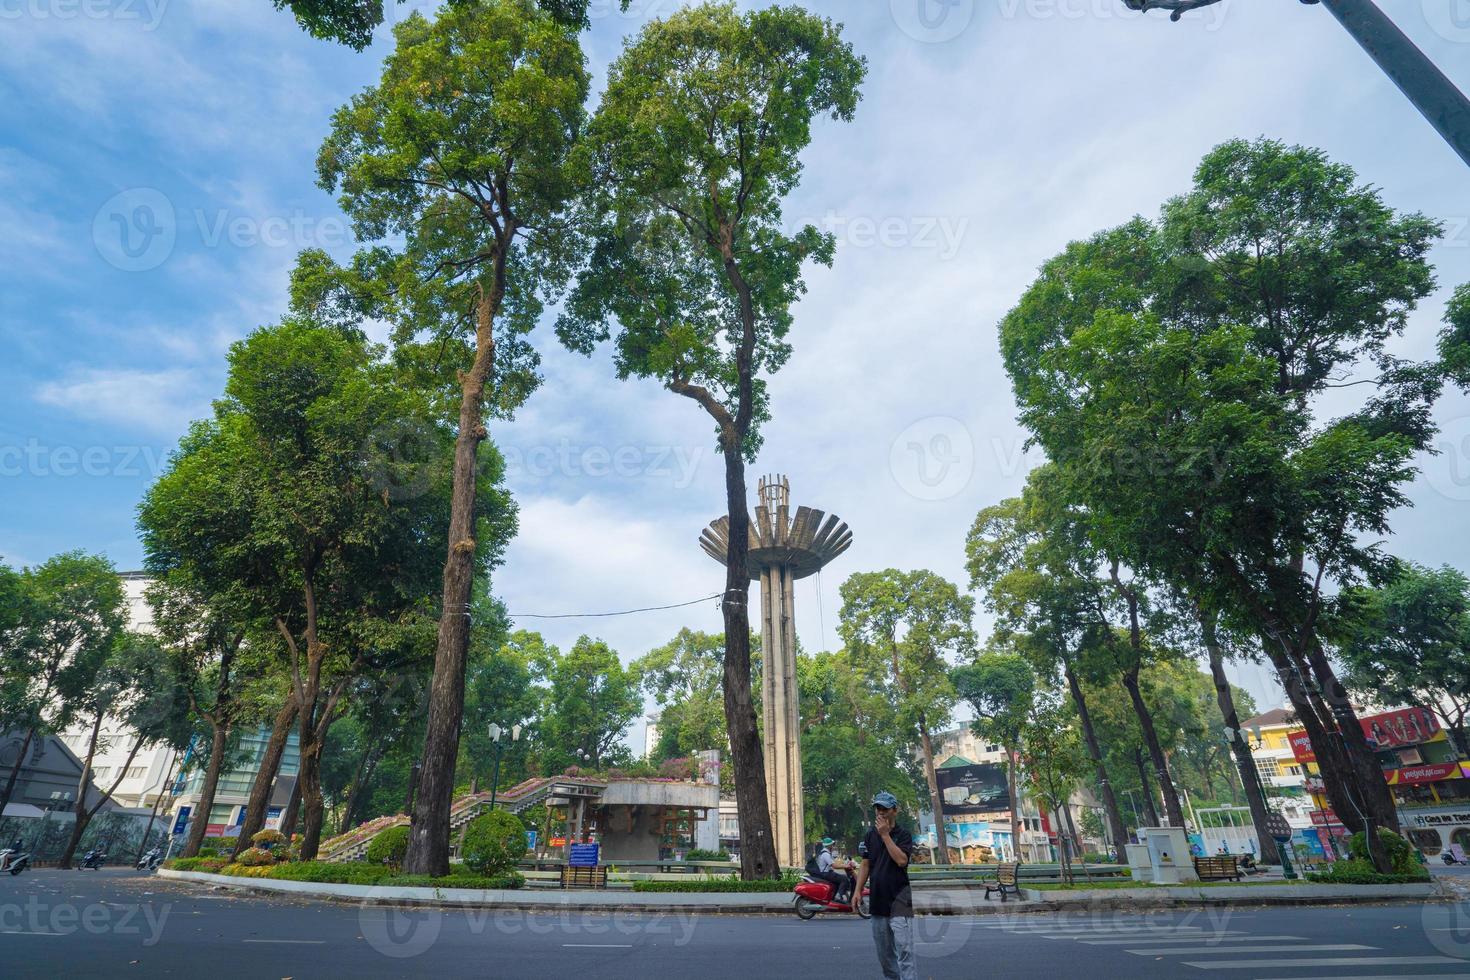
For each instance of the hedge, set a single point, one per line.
(731, 884)
(1360, 872)
(493, 843)
(354, 873)
(702, 855)
(389, 847)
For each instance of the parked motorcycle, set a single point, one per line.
(813, 895)
(13, 859)
(150, 860)
(93, 860)
(1448, 858)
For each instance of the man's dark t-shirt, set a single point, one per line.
(889, 881)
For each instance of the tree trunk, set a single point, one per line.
(85, 813)
(207, 791)
(1377, 799)
(270, 763)
(1150, 811)
(757, 843)
(365, 767)
(1011, 784)
(428, 840)
(941, 839)
(1249, 776)
(291, 813)
(20, 758)
(1155, 750)
(1116, 828)
(152, 817)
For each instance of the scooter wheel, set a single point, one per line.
(17, 869)
(806, 908)
(865, 908)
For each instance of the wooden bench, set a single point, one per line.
(1006, 877)
(579, 877)
(1221, 867)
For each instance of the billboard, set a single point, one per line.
(1389, 730)
(977, 788)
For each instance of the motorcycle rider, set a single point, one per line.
(825, 869)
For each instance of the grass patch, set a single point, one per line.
(730, 884)
(1080, 886)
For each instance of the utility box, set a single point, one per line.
(1168, 854)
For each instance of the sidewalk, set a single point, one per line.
(929, 901)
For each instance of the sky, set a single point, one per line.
(157, 179)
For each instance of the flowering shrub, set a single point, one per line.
(267, 839)
(255, 857)
(677, 769)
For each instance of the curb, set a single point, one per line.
(951, 901)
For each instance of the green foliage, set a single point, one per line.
(352, 22)
(851, 747)
(998, 687)
(1401, 854)
(698, 854)
(388, 847)
(208, 852)
(686, 677)
(731, 884)
(1359, 871)
(696, 142)
(1408, 641)
(589, 700)
(493, 843)
(254, 857)
(268, 838)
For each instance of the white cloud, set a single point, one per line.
(162, 401)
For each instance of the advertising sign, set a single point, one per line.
(978, 788)
(1390, 730)
(1431, 772)
(583, 856)
(182, 820)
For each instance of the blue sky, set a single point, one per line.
(991, 133)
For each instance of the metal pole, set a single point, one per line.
(1432, 93)
(495, 775)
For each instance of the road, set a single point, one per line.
(114, 923)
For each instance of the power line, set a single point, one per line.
(625, 612)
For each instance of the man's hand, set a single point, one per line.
(884, 824)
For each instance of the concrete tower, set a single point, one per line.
(782, 550)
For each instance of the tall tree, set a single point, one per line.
(74, 609)
(684, 676)
(1055, 763)
(352, 22)
(907, 627)
(1236, 492)
(458, 155)
(589, 700)
(999, 687)
(692, 151)
(1408, 641)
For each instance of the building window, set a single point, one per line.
(136, 772)
(1427, 841)
(100, 772)
(1268, 767)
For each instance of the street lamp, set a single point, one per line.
(495, 735)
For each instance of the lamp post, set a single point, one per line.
(1275, 822)
(495, 736)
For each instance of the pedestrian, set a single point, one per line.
(885, 869)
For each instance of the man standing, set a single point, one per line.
(885, 868)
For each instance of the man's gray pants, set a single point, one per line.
(894, 936)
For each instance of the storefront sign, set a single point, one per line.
(1437, 819)
(1429, 773)
(1326, 818)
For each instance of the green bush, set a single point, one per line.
(493, 843)
(1359, 871)
(1400, 852)
(255, 857)
(389, 847)
(363, 873)
(511, 879)
(699, 854)
(731, 884)
(224, 843)
(208, 863)
(209, 852)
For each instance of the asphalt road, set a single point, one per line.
(116, 924)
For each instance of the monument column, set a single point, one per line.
(782, 550)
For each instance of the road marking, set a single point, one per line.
(1083, 930)
(288, 942)
(18, 932)
(1323, 948)
(596, 945)
(1325, 961)
(1234, 937)
(1384, 976)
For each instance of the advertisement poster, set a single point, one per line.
(1390, 730)
(978, 788)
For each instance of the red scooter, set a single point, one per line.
(814, 895)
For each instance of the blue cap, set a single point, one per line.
(886, 800)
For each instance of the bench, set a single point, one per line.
(1222, 867)
(1005, 881)
(584, 877)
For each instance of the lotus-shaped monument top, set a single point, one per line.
(803, 543)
